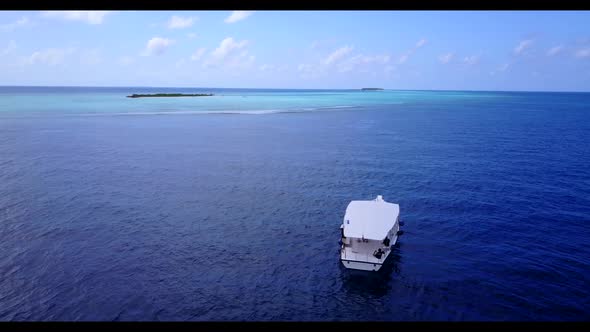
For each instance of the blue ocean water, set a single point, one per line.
(229, 207)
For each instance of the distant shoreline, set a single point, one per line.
(135, 95)
(125, 87)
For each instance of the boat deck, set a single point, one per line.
(362, 251)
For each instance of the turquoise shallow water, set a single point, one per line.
(176, 212)
(47, 101)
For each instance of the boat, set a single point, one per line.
(369, 230)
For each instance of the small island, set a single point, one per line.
(371, 89)
(171, 95)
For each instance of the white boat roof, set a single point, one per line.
(371, 220)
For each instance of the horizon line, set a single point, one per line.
(317, 89)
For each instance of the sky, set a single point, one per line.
(416, 50)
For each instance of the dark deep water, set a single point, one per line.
(236, 217)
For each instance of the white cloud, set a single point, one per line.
(180, 63)
(344, 60)
(446, 58)
(90, 57)
(241, 61)
(230, 53)
(337, 55)
(583, 53)
(266, 67)
(179, 22)
(362, 61)
(421, 43)
(21, 22)
(126, 60)
(191, 35)
(9, 48)
(501, 69)
(157, 46)
(380, 59)
(198, 54)
(50, 56)
(554, 50)
(87, 16)
(238, 15)
(523, 46)
(272, 68)
(471, 60)
(227, 47)
(403, 58)
(308, 71)
(303, 67)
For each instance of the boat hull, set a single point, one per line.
(364, 266)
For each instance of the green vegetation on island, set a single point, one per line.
(171, 95)
(371, 89)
